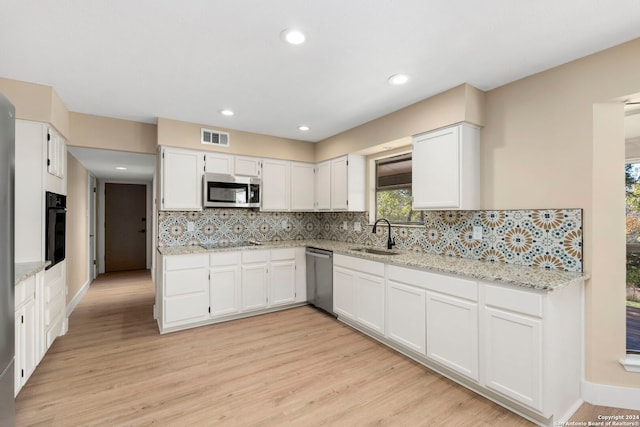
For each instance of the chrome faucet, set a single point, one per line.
(390, 242)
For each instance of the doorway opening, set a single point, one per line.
(125, 227)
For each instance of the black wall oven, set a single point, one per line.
(55, 227)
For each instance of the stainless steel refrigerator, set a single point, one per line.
(7, 279)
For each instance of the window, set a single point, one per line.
(393, 191)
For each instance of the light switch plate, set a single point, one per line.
(356, 226)
(477, 232)
(191, 226)
(284, 224)
(344, 225)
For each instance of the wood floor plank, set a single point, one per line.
(295, 367)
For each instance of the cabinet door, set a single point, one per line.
(283, 282)
(224, 291)
(25, 344)
(186, 295)
(181, 179)
(344, 292)
(406, 318)
(218, 163)
(302, 186)
(452, 333)
(276, 184)
(370, 301)
(513, 356)
(247, 166)
(323, 186)
(436, 175)
(339, 184)
(254, 286)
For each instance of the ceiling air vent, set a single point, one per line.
(214, 137)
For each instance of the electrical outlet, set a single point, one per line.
(284, 224)
(344, 225)
(191, 226)
(477, 232)
(356, 226)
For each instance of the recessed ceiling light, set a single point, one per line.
(398, 79)
(226, 112)
(293, 36)
(303, 128)
(121, 168)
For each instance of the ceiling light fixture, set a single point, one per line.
(398, 79)
(293, 36)
(303, 128)
(226, 112)
(121, 168)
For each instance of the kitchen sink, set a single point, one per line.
(375, 251)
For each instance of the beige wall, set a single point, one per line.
(36, 102)
(462, 103)
(112, 134)
(77, 256)
(553, 140)
(187, 135)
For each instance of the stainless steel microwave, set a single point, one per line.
(230, 191)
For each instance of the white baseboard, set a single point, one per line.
(609, 395)
(77, 297)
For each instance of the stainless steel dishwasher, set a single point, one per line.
(320, 279)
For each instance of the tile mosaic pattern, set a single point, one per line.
(549, 238)
(224, 226)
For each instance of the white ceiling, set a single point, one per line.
(103, 163)
(144, 59)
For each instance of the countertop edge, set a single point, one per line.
(24, 270)
(501, 273)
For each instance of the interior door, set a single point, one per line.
(125, 227)
(93, 265)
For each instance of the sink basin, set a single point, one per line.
(375, 251)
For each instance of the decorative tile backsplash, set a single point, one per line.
(549, 238)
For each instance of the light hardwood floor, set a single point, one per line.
(295, 367)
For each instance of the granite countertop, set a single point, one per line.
(24, 270)
(530, 277)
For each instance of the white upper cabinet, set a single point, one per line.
(323, 186)
(339, 177)
(247, 166)
(302, 186)
(446, 169)
(276, 185)
(218, 163)
(181, 179)
(347, 190)
(56, 153)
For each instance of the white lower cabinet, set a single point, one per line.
(282, 277)
(254, 280)
(498, 339)
(344, 292)
(224, 283)
(186, 289)
(358, 291)
(406, 315)
(25, 333)
(198, 289)
(513, 344)
(452, 333)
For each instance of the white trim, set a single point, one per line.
(631, 363)
(609, 395)
(77, 297)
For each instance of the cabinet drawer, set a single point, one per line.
(455, 286)
(224, 258)
(181, 262)
(186, 282)
(513, 299)
(283, 254)
(359, 264)
(255, 256)
(24, 290)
